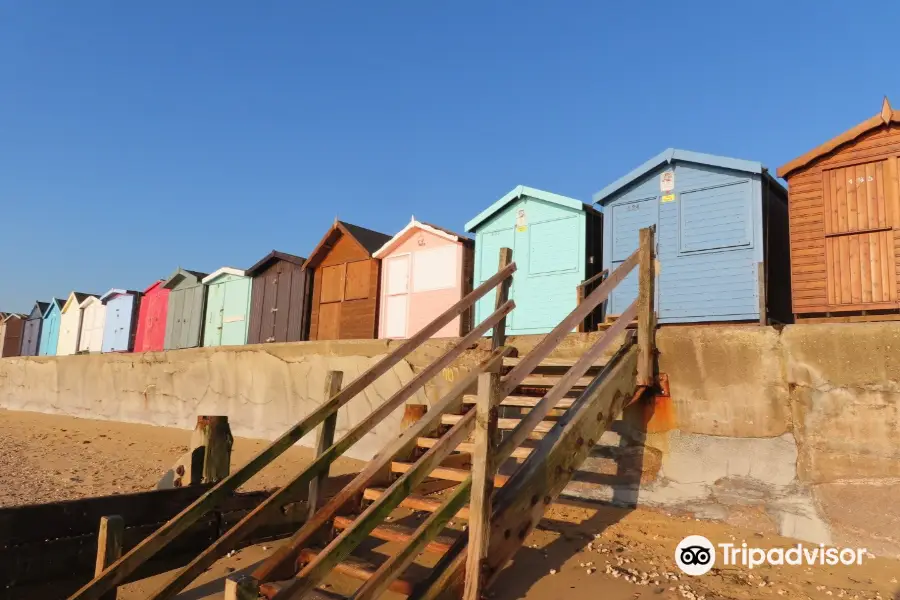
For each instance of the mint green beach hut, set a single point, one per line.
(227, 307)
(556, 244)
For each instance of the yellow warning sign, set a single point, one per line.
(668, 198)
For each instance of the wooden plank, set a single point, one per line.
(862, 202)
(109, 546)
(425, 442)
(343, 544)
(416, 502)
(892, 265)
(279, 564)
(543, 348)
(498, 335)
(872, 197)
(892, 190)
(840, 191)
(241, 587)
(849, 319)
(646, 314)
(484, 468)
(884, 211)
(846, 280)
(381, 579)
(761, 293)
(875, 265)
(246, 526)
(119, 570)
(333, 380)
(392, 532)
(855, 281)
(830, 208)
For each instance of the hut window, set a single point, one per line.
(553, 247)
(434, 269)
(358, 274)
(715, 218)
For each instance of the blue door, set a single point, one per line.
(117, 330)
(628, 219)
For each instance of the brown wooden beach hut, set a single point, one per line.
(279, 308)
(345, 283)
(844, 205)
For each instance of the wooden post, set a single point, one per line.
(579, 298)
(761, 282)
(333, 380)
(241, 587)
(109, 547)
(217, 456)
(483, 471)
(646, 321)
(499, 335)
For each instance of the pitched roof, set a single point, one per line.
(117, 292)
(155, 284)
(53, 302)
(9, 316)
(271, 257)
(670, 155)
(413, 224)
(180, 274)
(519, 191)
(369, 240)
(223, 271)
(41, 308)
(77, 298)
(885, 117)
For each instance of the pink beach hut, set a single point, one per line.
(425, 269)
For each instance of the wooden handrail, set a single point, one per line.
(552, 339)
(117, 572)
(592, 279)
(273, 567)
(342, 545)
(320, 465)
(517, 436)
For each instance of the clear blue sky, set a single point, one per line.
(139, 136)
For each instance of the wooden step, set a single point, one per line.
(415, 502)
(458, 475)
(426, 442)
(553, 363)
(521, 401)
(273, 588)
(392, 532)
(358, 568)
(541, 428)
(548, 381)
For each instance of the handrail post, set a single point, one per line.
(333, 380)
(498, 338)
(483, 470)
(579, 298)
(646, 337)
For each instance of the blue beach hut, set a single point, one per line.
(721, 236)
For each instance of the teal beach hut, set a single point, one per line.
(227, 307)
(50, 328)
(556, 244)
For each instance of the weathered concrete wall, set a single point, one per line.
(795, 431)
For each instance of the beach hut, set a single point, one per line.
(151, 327)
(184, 316)
(31, 333)
(227, 307)
(279, 305)
(70, 323)
(555, 243)
(11, 329)
(425, 269)
(345, 283)
(93, 319)
(121, 319)
(844, 203)
(721, 237)
(50, 328)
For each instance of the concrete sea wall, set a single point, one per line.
(795, 431)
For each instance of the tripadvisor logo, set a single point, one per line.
(696, 555)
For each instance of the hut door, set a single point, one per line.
(234, 312)
(330, 299)
(860, 206)
(396, 299)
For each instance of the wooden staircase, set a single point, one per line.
(429, 496)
